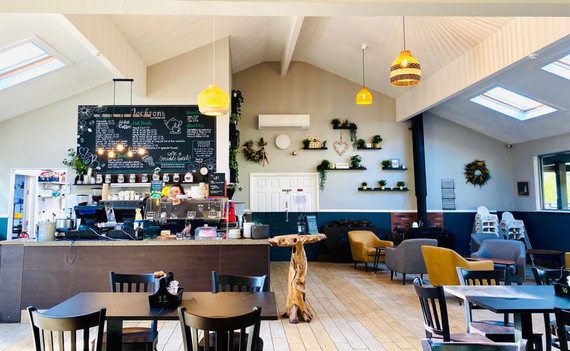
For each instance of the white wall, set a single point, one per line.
(40, 139)
(524, 155)
(448, 148)
(309, 90)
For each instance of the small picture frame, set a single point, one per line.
(523, 188)
(395, 163)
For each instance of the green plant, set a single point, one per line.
(234, 118)
(234, 162)
(257, 156)
(352, 127)
(382, 182)
(74, 162)
(377, 139)
(237, 100)
(322, 169)
(335, 122)
(355, 160)
(401, 184)
(386, 163)
(306, 143)
(361, 142)
(364, 184)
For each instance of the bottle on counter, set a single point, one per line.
(138, 225)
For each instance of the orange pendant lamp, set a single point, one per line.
(213, 101)
(364, 96)
(406, 70)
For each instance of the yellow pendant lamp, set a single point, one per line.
(406, 70)
(213, 101)
(364, 96)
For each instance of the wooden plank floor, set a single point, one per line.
(354, 310)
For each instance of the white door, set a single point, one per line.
(292, 192)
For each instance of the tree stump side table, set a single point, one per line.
(297, 305)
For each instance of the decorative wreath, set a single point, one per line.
(257, 156)
(477, 173)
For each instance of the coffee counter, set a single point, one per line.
(43, 274)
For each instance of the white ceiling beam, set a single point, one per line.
(294, 30)
(515, 41)
(509, 8)
(100, 36)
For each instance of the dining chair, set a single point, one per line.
(430, 345)
(562, 323)
(201, 333)
(223, 282)
(49, 330)
(548, 277)
(136, 338)
(434, 310)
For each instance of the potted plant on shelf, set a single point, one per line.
(322, 169)
(74, 162)
(335, 122)
(361, 143)
(364, 185)
(386, 163)
(400, 185)
(382, 184)
(306, 143)
(355, 161)
(376, 140)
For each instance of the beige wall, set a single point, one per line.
(40, 139)
(309, 90)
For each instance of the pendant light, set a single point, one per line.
(213, 101)
(406, 70)
(364, 96)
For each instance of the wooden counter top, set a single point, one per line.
(146, 242)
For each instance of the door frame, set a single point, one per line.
(314, 176)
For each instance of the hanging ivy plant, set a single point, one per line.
(253, 155)
(235, 116)
(477, 173)
(322, 171)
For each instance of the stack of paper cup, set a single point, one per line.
(247, 229)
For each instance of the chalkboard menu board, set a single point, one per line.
(176, 138)
(217, 184)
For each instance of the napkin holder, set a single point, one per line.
(562, 286)
(162, 298)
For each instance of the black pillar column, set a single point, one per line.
(419, 167)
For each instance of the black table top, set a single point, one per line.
(134, 306)
(511, 299)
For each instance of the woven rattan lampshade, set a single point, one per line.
(364, 97)
(405, 70)
(213, 101)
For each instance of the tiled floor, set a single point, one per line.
(354, 310)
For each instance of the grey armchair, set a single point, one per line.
(507, 250)
(478, 238)
(407, 258)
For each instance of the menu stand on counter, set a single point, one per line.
(297, 305)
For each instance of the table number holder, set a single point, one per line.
(162, 298)
(562, 287)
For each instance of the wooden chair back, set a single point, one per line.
(225, 337)
(49, 331)
(434, 309)
(429, 345)
(221, 282)
(562, 321)
(131, 282)
(547, 276)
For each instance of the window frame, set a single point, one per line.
(542, 206)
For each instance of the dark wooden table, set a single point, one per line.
(554, 256)
(521, 300)
(497, 261)
(134, 306)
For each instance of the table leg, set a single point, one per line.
(523, 328)
(114, 334)
(297, 305)
(376, 260)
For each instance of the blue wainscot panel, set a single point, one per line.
(3, 227)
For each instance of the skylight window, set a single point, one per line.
(512, 104)
(560, 67)
(24, 62)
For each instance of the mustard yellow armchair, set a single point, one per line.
(441, 265)
(567, 260)
(362, 246)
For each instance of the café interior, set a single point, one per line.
(284, 175)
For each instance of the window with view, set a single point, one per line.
(555, 176)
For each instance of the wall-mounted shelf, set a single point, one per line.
(368, 148)
(315, 148)
(394, 168)
(348, 169)
(340, 127)
(386, 189)
(131, 185)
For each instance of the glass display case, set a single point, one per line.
(168, 209)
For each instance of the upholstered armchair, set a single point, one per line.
(567, 260)
(362, 246)
(507, 250)
(441, 264)
(478, 238)
(407, 258)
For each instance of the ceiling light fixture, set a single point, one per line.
(364, 96)
(213, 101)
(406, 70)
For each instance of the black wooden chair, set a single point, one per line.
(562, 323)
(219, 333)
(436, 323)
(136, 338)
(430, 345)
(498, 331)
(221, 282)
(548, 277)
(49, 330)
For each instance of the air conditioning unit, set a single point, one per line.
(284, 121)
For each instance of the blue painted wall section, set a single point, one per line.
(547, 230)
(460, 223)
(3, 227)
